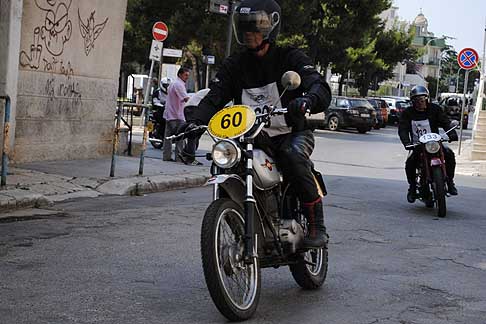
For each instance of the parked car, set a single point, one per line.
(344, 112)
(397, 106)
(381, 108)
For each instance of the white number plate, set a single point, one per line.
(365, 115)
(430, 137)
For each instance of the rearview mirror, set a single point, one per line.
(290, 80)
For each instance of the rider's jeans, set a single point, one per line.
(412, 162)
(292, 152)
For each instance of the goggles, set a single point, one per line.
(420, 98)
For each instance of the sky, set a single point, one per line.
(463, 19)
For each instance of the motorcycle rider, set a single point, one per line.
(421, 118)
(252, 77)
(159, 96)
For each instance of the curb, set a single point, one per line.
(20, 199)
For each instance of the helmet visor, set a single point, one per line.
(253, 22)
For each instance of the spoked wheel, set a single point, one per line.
(311, 271)
(333, 123)
(439, 191)
(233, 284)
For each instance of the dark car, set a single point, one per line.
(381, 108)
(346, 112)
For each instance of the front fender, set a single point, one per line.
(233, 185)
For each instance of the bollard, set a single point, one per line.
(6, 140)
(144, 140)
(116, 138)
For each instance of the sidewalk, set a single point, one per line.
(44, 183)
(464, 164)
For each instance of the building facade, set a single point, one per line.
(415, 73)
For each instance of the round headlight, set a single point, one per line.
(226, 154)
(432, 147)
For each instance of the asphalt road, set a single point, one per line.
(137, 259)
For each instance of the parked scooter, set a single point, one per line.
(156, 125)
(431, 171)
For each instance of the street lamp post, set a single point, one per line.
(438, 77)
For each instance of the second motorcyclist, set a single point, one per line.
(252, 78)
(421, 118)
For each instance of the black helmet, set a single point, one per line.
(257, 16)
(419, 90)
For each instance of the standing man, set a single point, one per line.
(174, 112)
(188, 154)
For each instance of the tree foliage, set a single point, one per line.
(343, 34)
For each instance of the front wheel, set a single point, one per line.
(439, 191)
(233, 284)
(157, 145)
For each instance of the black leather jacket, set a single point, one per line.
(244, 75)
(437, 118)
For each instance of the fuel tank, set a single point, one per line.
(266, 173)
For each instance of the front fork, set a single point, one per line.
(251, 238)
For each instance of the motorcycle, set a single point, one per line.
(431, 174)
(156, 125)
(255, 220)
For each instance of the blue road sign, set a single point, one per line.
(468, 58)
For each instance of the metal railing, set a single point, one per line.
(6, 140)
(116, 140)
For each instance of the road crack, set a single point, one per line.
(459, 263)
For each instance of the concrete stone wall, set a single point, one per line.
(10, 22)
(69, 62)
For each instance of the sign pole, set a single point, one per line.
(146, 97)
(230, 28)
(462, 110)
(161, 64)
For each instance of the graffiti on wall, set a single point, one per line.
(90, 31)
(49, 40)
(65, 87)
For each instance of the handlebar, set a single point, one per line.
(411, 146)
(182, 135)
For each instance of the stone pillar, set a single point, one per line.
(69, 62)
(10, 26)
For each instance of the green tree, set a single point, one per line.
(191, 27)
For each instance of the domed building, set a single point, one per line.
(406, 76)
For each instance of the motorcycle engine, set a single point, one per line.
(291, 235)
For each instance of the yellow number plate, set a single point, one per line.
(232, 122)
(150, 126)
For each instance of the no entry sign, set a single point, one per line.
(468, 58)
(160, 31)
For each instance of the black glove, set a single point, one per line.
(408, 146)
(188, 127)
(299, 106)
